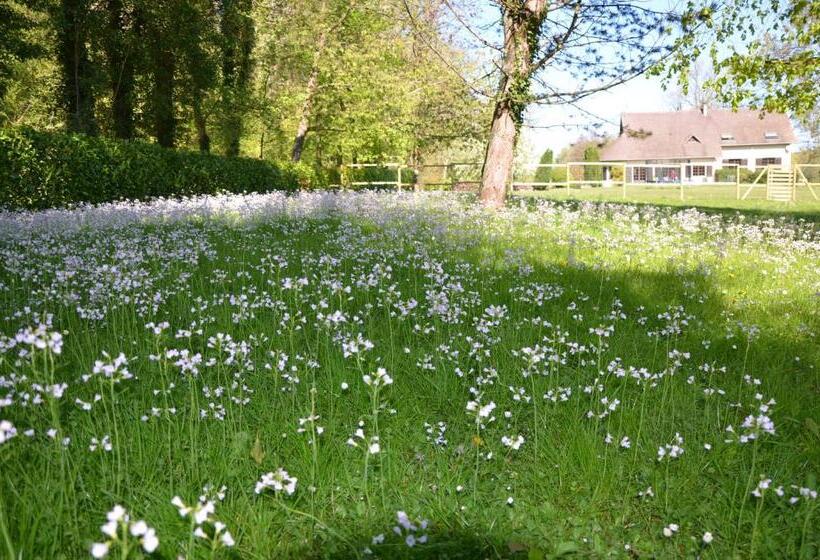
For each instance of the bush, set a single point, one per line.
(592, 172)
(729, 175)
(544, 174)
(44, 169)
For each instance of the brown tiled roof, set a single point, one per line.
(690, 134)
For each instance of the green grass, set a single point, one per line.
(700, 301)
(717, 197)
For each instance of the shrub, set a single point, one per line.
(729, 175)
(45, 169)
(592, 172)
(544, 174)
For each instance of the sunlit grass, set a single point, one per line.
(600, 334)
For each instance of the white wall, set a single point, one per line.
(751, 153)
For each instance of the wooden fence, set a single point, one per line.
(770, 182)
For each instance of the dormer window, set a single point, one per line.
(771, 136)
(694, 139)
(727, 136)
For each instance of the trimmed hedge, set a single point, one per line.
(729, 175)
(45, 169)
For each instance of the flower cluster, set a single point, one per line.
(120, 530)
(280, 481)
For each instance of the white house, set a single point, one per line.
(693, 144)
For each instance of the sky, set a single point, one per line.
(604, 108)
(639, 95)
(544, 130)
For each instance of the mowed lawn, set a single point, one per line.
(433, 380)
(716, 197)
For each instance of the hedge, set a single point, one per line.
(729, 175)
(46, 169)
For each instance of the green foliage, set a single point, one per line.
(15, 44)
(729, 175)
(773, 61)
(382, 177)
(592, 173)
(41, 170)
(544, 174)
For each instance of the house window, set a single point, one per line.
(698, 171)
(763, 162)
(739, 162)
(639, 174)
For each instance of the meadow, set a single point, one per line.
(407, 375)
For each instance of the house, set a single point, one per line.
(689, 146)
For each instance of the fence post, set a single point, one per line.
(623, 185)
(681, 172)
(567, 177)
(398, 177)
(737, 182)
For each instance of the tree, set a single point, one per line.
(237, 28)
(694, 91)
(776, 71)
(592, 172)
(544, 174)
(559, 52)
(72, 21)
(119, 53)
(331, 18)
(15, 45)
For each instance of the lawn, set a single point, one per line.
(721, 197)
(384, 375)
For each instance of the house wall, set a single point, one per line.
(751, 153)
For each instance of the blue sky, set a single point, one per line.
(641, 94)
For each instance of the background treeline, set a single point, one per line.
(314, 82)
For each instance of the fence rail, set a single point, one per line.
(802, 180)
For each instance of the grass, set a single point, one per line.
(582, 324)
(719, 197)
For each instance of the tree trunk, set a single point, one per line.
(121, 72)
(77, 93)
(163, 97)
(521, 31)
(200, 122)
(498, 159)
(304, 120)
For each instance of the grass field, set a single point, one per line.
(433, 380)
(713, 196)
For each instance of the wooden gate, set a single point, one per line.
(780, 185)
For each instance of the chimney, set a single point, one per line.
(704, 110)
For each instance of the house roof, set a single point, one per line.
(690, 134)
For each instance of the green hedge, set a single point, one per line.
(729, 175)
(45, 169)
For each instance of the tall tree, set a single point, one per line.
(15, 45)
(72, 19)
(522, 22)
(199, 56)
(157, 26)
(559, 52)
(332, 22)
(238, 35)
(120, 58)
